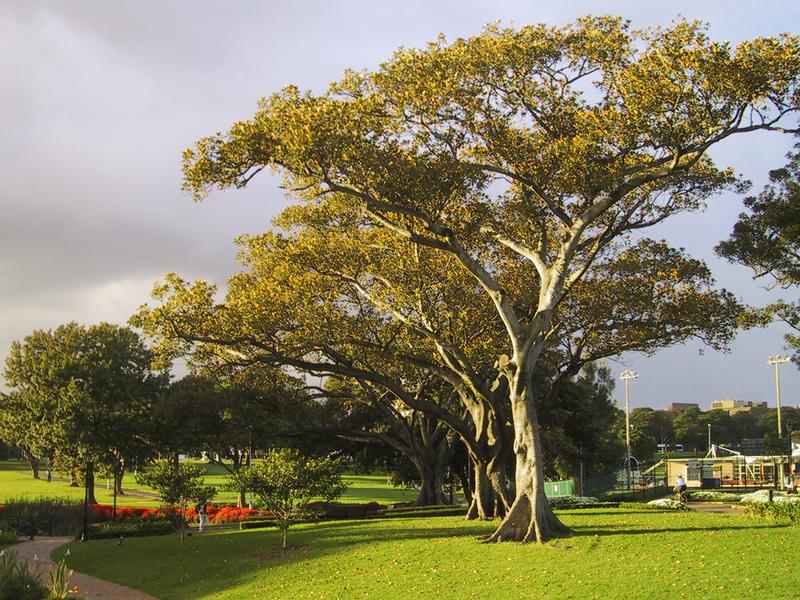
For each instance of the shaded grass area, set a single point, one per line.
(615, 553)
(16, 482)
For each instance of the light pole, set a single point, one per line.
(626, 376)
(778, 360)
(85, 534)
(709, 437)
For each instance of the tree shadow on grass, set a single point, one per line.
(589, 531)
(229, 559)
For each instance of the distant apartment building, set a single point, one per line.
(736, 406)
(679, 406)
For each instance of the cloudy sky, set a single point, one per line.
(98, 99)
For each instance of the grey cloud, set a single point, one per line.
(99, 98)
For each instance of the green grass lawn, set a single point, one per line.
(16, 482)
(615, 553)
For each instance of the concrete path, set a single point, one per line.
(88, 586)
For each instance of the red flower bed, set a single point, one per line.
(105, 512)
(231, 514)
(216, 514)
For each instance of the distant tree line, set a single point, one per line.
(689, 428)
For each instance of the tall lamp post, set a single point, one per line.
(778, 360)
(85, 534)
(709, 437)
(626, 376)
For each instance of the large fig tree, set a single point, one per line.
(554, 144)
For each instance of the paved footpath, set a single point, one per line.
(88, 586)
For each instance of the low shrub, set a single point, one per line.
(17, 580)
(339, 510)
(781, 512)
(232, 514)
(559, 501)
(665, 504)
(49, 516)
(714, 496)
(131, 528)
(429, 511)
(637, 495)
(410, 509)
(102, 513)
(7, 536)
(763, 496)
(257, 523)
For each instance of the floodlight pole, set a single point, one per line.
(778, 360)
(626, 376)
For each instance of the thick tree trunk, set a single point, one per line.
(530, 517)
(241, 500)
(89, 483)
(490, 495)
(432, 475)
(484, 499)
(33, 462)
(118, 482)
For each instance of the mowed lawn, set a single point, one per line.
(16, 482)
(615, 553)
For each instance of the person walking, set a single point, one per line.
(202, 519)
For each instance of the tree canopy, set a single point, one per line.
(767, 239)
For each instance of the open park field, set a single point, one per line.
(615, 553)
(16, 482)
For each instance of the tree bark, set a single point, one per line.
(33, 462)
(432, 476)
(120, 475)
(89, 483)
(484, 499)
(490, 495)
(530, 517)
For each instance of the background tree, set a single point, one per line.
(690, 429)
(767, 239)
(492, 147)
(16, 423)
(85, 394)
(180, 487)
(285, 482)
(577, 426)
(226, 418)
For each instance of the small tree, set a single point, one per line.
(179, 486)
(286, 481)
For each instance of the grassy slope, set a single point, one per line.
(16, 482)
(620, 553)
